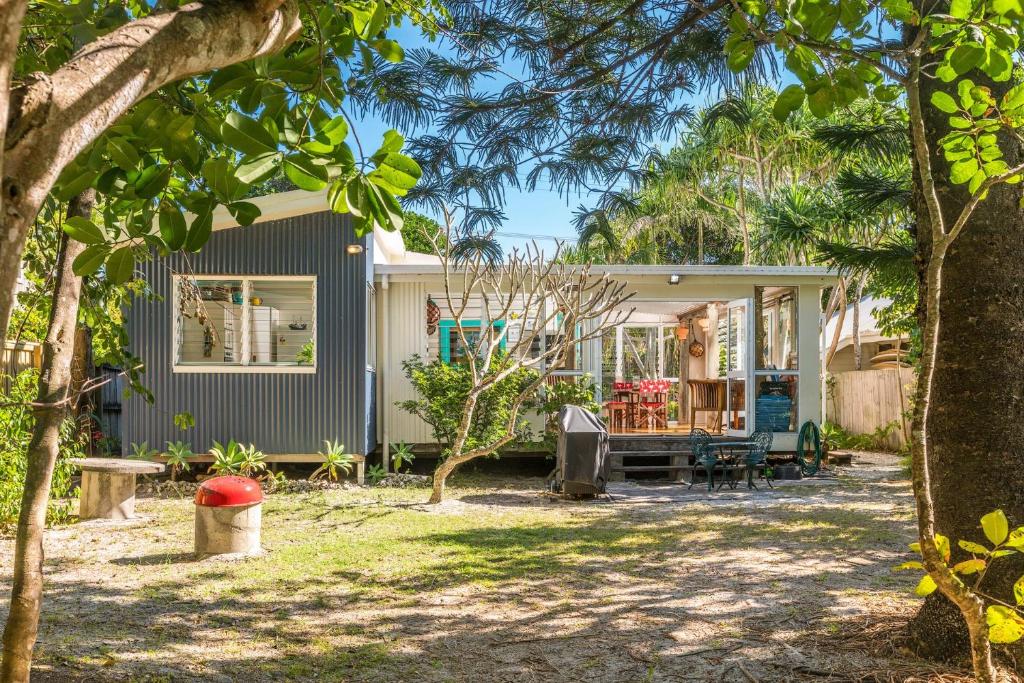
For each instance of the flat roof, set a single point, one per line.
(641, 270)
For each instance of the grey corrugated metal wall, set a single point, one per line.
(278, 412)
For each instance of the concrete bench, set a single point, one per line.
(108, 486)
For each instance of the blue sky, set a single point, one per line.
(542, 214)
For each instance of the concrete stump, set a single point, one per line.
(229, 513)
(108, 486)
(234, 530)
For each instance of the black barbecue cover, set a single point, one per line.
(583, 463)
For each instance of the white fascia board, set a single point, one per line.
(275, 207)
(660, 272)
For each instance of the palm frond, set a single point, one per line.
(468, 248)
(866, 190)
(886, 141)
(890, 263)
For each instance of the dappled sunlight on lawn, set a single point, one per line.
(502, 584)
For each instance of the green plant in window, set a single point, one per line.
(305, 354)
(402, 455)
(335, 460)
(178, 456)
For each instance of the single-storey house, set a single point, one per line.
(293, 330)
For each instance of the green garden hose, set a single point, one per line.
(808, 432)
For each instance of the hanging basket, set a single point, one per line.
(696, 349)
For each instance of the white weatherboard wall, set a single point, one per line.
(405, 327)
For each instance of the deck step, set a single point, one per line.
(651, 468)
(652, 454)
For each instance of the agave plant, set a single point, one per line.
(234, 458)
(142, 451)
(402, 455)
(178, 455)
(335, 460)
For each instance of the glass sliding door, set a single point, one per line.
(738, 375)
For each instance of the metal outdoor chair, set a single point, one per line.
(704, 456)
(757, 457)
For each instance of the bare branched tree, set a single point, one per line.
(547, 307)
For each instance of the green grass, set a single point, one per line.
(346, 571)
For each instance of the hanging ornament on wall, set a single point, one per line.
(682, 331)
(433, 316)
(696, 349)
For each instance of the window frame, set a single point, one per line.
(243, 366)
(444, 327)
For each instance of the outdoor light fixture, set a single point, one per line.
(353, 249)
(674, 278)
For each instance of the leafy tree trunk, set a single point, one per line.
(50, 410)
(974, 427)
(741, 211)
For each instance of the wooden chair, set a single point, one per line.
(707, 396)
(654, 403)
(617, 415)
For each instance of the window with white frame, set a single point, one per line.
(244, 324)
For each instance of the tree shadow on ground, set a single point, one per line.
(605, 593)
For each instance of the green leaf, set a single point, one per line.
(397, 171)
(1012, 8)
(244, 212)
(1018, 591)
(943, 102)
(123, 153)
(335, 130)
(788, 101)
(389, 50)
(741, 56)
(120, 266)
(172, 226)
(965, 57)
(1004, 624)
(246, 135)
(1014, 98)
(84, 230)
(336, 197)
(971, 547)
(801, 61)
(152, 181)
(356, 197)
(1016, 539)
(199, 233)
(304, 172)
(926, 586)
(256, 169)
(821, 102)
(90, 260)
(962, 171)
(961, 9)
(995, 526)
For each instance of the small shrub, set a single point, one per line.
(234, 458)
(401, 455)
(443, 389)
(142, 451)
(16, 424)
(555, 396)
(178, 455)
(375, 474)
(335, 460)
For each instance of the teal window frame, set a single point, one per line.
(445, 328)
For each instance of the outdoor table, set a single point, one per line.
(108, 486)
(730, 460)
